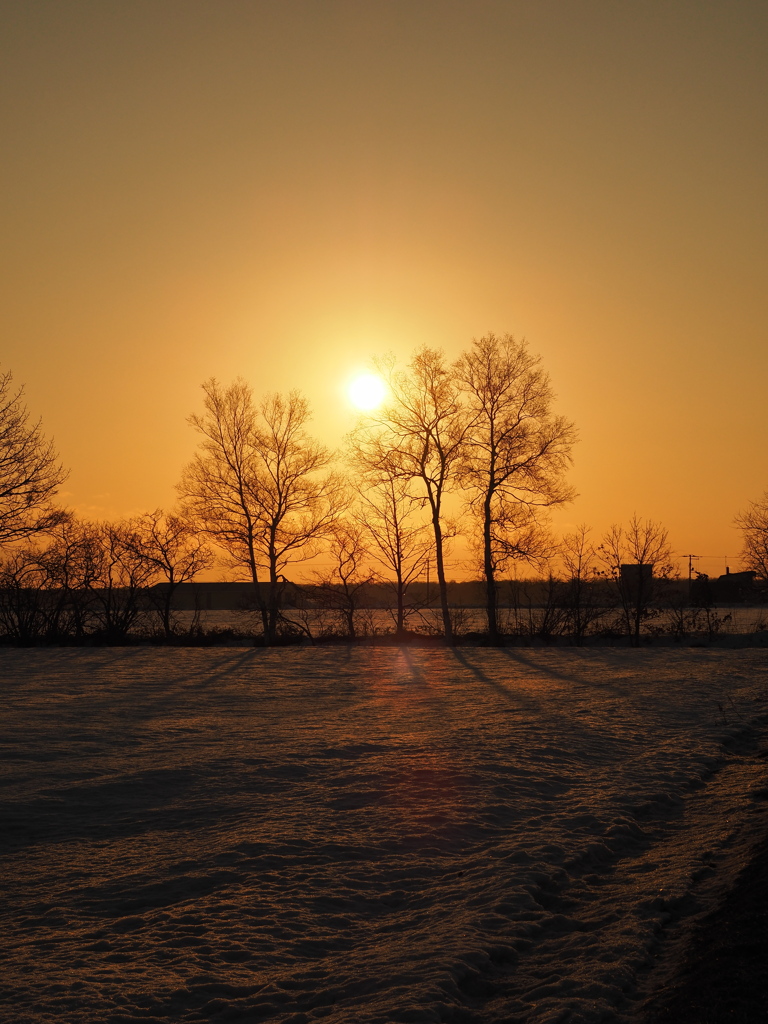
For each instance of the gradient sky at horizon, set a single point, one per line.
(284, 190)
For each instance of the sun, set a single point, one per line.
(367, 391)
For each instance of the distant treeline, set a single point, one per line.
(552, 609)
(732, 589)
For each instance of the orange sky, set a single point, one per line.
(283, 190)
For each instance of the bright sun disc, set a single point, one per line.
(367, 391)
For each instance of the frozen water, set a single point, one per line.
(364, 834)
(725, 621)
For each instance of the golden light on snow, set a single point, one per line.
(367, 391)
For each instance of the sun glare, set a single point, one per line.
(367, 391)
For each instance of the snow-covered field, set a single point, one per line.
(365, 835)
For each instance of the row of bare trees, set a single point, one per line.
(468, 447)
(627, 571)
(86, 579)
(474, 440)
(585, 588)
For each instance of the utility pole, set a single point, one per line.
(690, 565)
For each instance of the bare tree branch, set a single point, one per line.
(30, 471)
(754, 528)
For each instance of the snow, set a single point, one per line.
(365, 834)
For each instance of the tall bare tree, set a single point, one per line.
(638, 559)
(419, 434)
(514, 456)
(298, 507)
(258, 486)
(30, 471)
(217, 486)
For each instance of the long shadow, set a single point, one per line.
(418, 677)
(524, 701)
(437, 699)
(233, 663)
(27, 663)
(201, 677)
(480, 675)
(610, 657)
(110, 686)
(515, 696)
(515, 654)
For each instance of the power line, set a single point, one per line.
(690, 558)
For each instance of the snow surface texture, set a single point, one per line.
(364, 835)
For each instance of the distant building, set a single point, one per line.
(734, 587)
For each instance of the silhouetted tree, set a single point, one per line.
(122, 573)
(343, 585)
(175, 553)
(254, 486)
(218, 484)
(24, 580)
(74, 561)
(638, 559)
(753, 524)
(30, 471)
(399, 540)
(580, 591)
(514, 455)
(419, 436)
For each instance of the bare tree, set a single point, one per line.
(754, 527)
(419, 435)
(43, 584)
(514, 456)
(638, 559)
(580, 593)
(74, 561)
(24, 596)
(254, 486)
(343, 586)
(393, 519)
(174, 550)
(217, 486)
(298, 508)
(123, 571)
(30, 471)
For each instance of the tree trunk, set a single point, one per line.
(273, 602)
(491, 597)
(167, 607)
(442, 585)
(257, 588)
(400, 627)
(640, 606)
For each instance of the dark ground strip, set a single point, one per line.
(724, 976)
